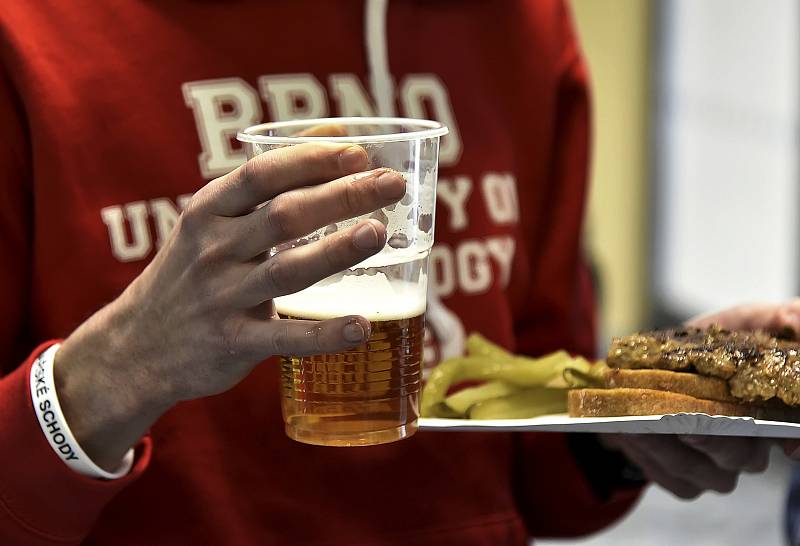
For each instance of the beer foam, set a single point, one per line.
(375, 297)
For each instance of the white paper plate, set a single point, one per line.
(681, 423)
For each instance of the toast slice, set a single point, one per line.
(692, 384)
(620, 402)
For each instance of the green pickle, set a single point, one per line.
(514, 386)
(524, 404)
(460, 402)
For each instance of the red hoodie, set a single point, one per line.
(112, 113)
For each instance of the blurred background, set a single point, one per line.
(695, 186)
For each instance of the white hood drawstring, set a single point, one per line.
(380, 78)
(448, 328)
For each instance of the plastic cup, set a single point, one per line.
(368, 395)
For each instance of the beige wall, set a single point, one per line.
(615, 35)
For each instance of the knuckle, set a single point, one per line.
(247, 172)
(678, 487)
(246, 175)
(333, 255)
(231, 339)
(761, 464)
(212, 253)
(280, 217)
(727, 484)
(320, 153)
(280, 339)
(278, 274)
(318, 341)
(191, 219)
(687, 493)
(350, 196)
(315, 338)
(735, 461)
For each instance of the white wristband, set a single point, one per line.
(54, 425)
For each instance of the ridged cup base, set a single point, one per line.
(338, 439)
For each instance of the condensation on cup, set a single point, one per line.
(369, 395)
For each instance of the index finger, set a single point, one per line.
(732, 453)
(277, 171)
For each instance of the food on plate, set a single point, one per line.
(512, 386)
(523, 404)
(621, 402)
(687, 370)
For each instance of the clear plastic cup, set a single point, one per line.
(369, 395)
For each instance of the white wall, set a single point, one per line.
(726, 199)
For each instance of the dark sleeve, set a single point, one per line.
(42, 501)
(15, 227)
(567, 485)
(554, 491)
(607, 471)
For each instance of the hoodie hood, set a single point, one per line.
(376, 44)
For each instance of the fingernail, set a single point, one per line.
(366, 238)
(391, 185)
(353, 332)
(353, 159)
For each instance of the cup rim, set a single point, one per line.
(430, 129)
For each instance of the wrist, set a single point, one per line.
(606, 468)
(108, 402)
(51, 418)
